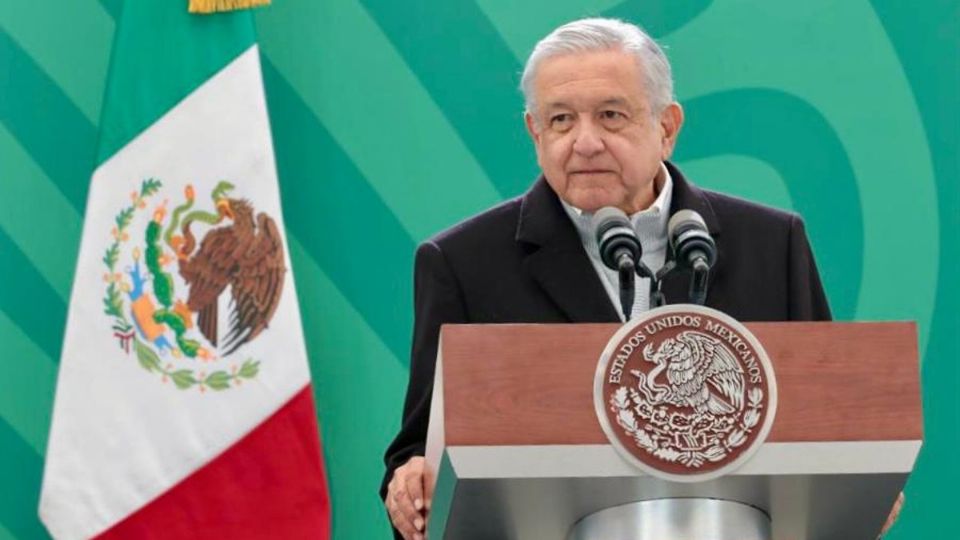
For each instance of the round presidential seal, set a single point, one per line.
(685, 393)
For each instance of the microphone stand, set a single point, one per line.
(698, 281)
(627, 285)
(655, 296)
(698, 284)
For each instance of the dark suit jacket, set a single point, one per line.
(522, 261)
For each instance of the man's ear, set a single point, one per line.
(535, 135)
(531, 124)
(671, 120)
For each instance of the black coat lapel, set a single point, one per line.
(556, 259)
(676, 284)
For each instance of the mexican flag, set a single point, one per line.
(184, 406)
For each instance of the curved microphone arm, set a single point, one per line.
(625, 267)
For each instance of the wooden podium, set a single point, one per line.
(519, 453)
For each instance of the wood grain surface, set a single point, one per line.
(520, 384)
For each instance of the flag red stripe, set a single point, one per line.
(270, 484)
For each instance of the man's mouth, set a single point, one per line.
(591, 171)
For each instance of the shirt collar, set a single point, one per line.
(650, 223)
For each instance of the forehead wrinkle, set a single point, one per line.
(582, 93)
(578, 85)
(623, 102)
(587, 103)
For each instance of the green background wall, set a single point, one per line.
(402, 117)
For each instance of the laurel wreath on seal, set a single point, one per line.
(124, 330)
(623, 398)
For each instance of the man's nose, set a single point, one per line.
(589, 140)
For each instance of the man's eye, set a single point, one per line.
(560, 119)
(612, 119)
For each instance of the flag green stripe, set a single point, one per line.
(73, 47)
(839, 256)
(161, 54)
(20, 470)
(437, 40)
(334, 211)
(376, 127)
(27, 380)
(48, 125)
(29, 300)
(37, 217)
(341, 347)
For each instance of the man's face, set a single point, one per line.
(597, 140)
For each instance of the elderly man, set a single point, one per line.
(601, 113)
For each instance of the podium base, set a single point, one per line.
(688, 518)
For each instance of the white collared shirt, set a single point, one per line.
(651, 227)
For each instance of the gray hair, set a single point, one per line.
(590, 35)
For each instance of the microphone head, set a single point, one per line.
(614, 233)
(689, 237)
(684, 220)
(606, 218)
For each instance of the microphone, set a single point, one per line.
(693, 248)
(619, 250)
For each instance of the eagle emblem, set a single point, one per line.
(188, 286)
(685, 392)
(244, 254)
(701, 374)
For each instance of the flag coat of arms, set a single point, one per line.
(184, 407)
